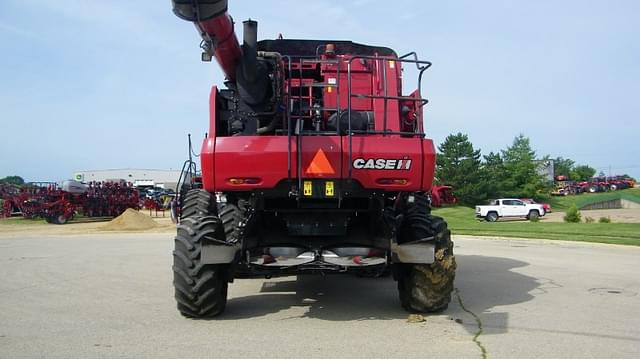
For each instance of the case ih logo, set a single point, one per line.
(381, 164)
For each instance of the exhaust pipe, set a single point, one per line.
(252, 77)
(250, 50)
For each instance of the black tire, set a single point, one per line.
(200, 289)
(57, 219)
(414, 225)
(198, 202)
(533, 215)
(427, 287)
(491, 217)
(231, 217)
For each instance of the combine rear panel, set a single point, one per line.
(315, 162)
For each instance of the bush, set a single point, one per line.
(604, 220)
(589, 220)
(573, 215)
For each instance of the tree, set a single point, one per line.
(458, 164)
(582, 173)
(562, 167)
(16, 180)
(494, 175)
(521, 169)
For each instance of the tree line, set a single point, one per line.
(15, 180)
(512, 172)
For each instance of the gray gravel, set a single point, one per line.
(111, 296)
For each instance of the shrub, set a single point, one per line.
(589, 220)
(572, 215)
(604, 220)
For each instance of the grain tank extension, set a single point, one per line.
(315, 163)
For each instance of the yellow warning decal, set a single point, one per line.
(307, 188)
(328, 189)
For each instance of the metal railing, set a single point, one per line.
(421, 65)
(299, 118)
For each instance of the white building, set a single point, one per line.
(546, 169)
(139, 177)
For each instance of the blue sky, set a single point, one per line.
(89, 84)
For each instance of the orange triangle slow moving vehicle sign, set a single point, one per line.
(320, 165)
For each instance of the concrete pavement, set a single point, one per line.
(110, 295)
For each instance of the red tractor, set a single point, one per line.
(315, 162)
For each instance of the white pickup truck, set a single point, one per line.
(508, 207)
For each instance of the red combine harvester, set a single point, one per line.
(315, 162)
(59, 204)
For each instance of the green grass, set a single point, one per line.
(462, 220)
(581, 200)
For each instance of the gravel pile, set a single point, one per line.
(130, 220)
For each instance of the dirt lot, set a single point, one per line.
(17, 226)
(631, 215)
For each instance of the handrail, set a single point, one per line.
(420, 102)
(421, 65)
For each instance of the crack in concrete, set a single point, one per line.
(483, 350)
(544, 284)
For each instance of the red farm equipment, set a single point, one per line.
(620, 182)
(315, 162)
(442, 195)
(58, 204)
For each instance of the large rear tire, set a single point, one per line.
(198, 202)
(200, 289)
(231, 216)
(415, 224)
(427, 287)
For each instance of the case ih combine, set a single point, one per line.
(315, 162)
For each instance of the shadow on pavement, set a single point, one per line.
(331, 297)
(487, 282)
(483, 283)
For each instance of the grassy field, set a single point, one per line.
(581, 200)
(462, 221)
